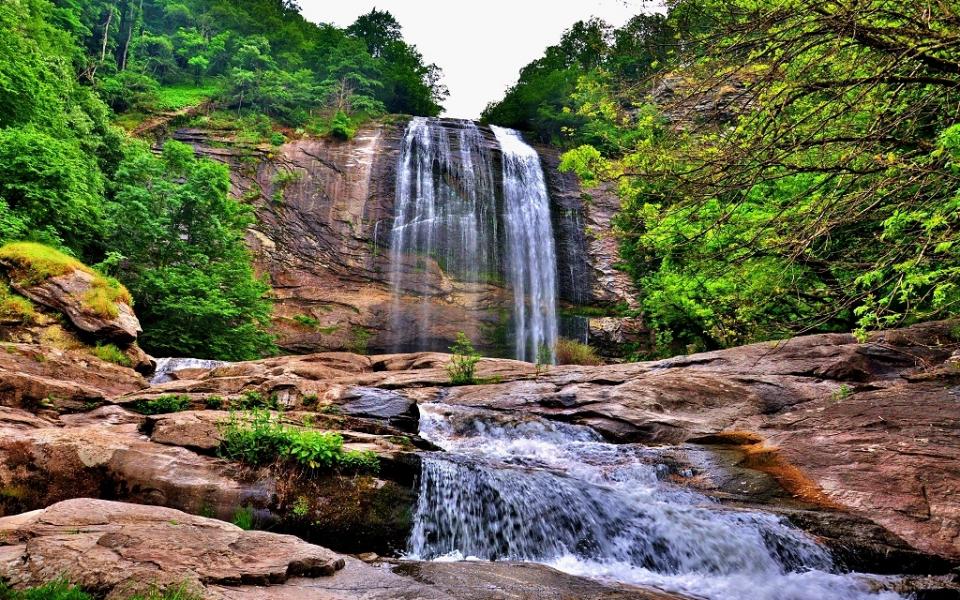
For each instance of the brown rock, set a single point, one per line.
(118, 549)
(65, 294)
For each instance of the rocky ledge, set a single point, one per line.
(855, 442)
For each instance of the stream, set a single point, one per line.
(527, 489)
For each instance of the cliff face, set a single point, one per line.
(324, 216)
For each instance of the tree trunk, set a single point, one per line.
(103, 47)
(130, 27)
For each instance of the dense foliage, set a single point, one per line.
(783, 166)
(164, 225)
(258, 54)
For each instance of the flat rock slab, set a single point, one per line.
(116, 548)
(468, 580)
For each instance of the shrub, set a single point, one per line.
(251, 399)
(464, 361)
(259, 438)
(110, 353)
(313, 449)
(214, 402)
(570, 352)
(341, 127)
(161, 405)
(255, 438)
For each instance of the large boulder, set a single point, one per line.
(117, 549)
(94, 304)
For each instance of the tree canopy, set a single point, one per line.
(783, 166)
(164, 223)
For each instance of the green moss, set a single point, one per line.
(360, 340)
(307, 321)
(14, 308)
(112, 354)
(33, 263)
(55, 590)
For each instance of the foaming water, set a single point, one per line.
(532, 490)
(166, 367)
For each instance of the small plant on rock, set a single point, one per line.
(570, 352)
(463, 363)
(244, 518)
(160, 405)
(841, 393)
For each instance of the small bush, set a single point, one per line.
(110, 353)
(301, 507)
(341, 127)
(841, 393)
(312, 449)
(214, 402)
(250, 400)
(259, 438)
(464, 361)
(570, 352)
(161, 405)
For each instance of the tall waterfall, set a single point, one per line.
(451, 215)
(532, 257)
(522, 488)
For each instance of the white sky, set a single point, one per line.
(481, 45)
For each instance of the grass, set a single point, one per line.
(243, 518)
(112, 354)
(161, 405)
(260, 438)
(182, 95)
(570, 352)
(60, 589)
(33, 263)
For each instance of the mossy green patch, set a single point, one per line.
(112, 354)
(32, 264)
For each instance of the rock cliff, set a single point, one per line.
(324, 217)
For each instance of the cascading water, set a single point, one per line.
(166, 367)
(449, 212)
(532, 490)
(532, 257)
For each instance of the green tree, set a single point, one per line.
(185, 260)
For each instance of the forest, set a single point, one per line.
(784, 167)
(75, 73)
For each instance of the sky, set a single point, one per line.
(481, 45)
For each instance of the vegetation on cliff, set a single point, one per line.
(783, 166)
(164, 225)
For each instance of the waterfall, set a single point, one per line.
(452, 221)
(522, 488)
(166, 367)
(530, 245)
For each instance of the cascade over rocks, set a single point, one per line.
(854, 443)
